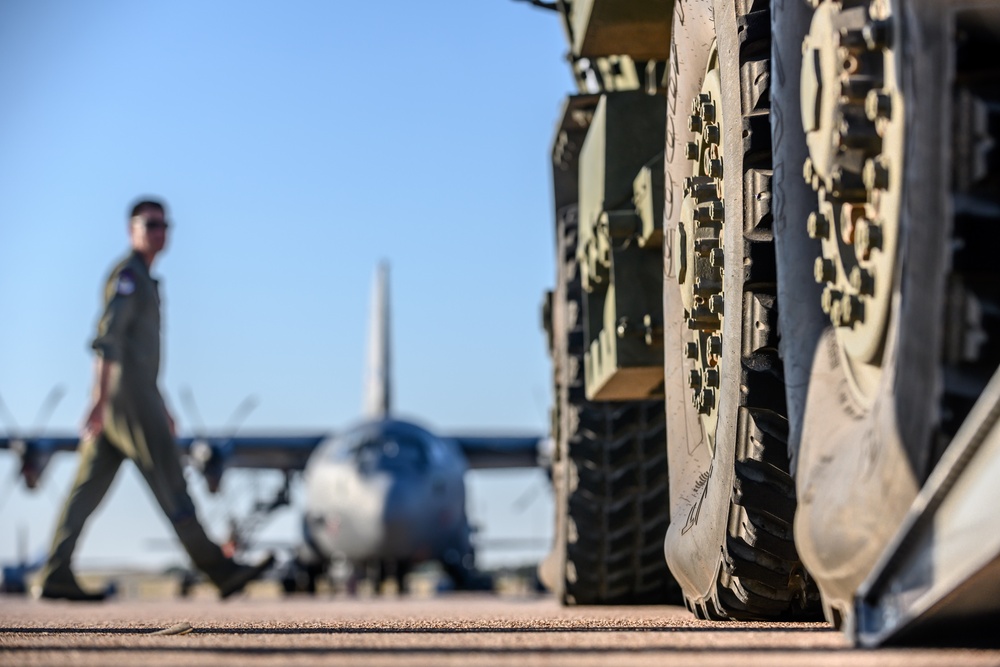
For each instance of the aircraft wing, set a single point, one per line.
(483, 451)
(269, 451)
(48, 443)
(35, 452)
(209, 454)
(281, 452)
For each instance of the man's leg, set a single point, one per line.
(143, 425)
(158, 460)
(98, 463)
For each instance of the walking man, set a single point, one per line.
(128, 419)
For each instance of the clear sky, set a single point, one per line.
(297, 144)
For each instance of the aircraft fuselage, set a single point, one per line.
(387, 491)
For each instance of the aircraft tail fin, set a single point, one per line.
(378, 377)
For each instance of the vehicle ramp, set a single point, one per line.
(938, 581)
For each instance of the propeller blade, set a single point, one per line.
(48, 407)
(240, 414)
(526, 499)
(191, 408)
(8, 418)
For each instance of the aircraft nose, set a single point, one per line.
(402, 517)
(375, 515)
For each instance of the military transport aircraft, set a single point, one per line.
(14, 575)
(384, 494)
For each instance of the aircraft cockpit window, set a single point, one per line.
(345, 447)
(392, 453)
(437, 450)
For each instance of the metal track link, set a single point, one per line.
(972, 338)
(760, 574)
(614, 548)
(616, 493)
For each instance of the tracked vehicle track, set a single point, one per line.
(726, 263)
(614, 551)
(972, 338)
(906, 182)
(614, 486)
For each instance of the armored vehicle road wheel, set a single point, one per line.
(901, 124)
(610, 470)
(731, 496)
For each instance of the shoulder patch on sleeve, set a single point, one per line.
(126, 282)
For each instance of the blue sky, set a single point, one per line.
(297, 144)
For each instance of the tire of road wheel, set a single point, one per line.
(611, 470)
(729, 542)
(876, 451)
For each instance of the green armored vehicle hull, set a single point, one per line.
(775, 306)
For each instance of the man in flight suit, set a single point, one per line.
(129, 420)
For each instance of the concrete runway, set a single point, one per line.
(456, 629)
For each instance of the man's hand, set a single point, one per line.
(171, 423)
(93, 426)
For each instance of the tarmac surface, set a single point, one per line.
(453, 629)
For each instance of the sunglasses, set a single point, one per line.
(153, 225)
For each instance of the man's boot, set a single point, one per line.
(64, 586)
(243, 575)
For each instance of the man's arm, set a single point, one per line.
(170, 417)
(112, 329)
(94, 424)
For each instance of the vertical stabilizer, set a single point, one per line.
(378, 385)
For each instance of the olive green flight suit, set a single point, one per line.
(135, 427)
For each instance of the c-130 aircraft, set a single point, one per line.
(383, 495)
